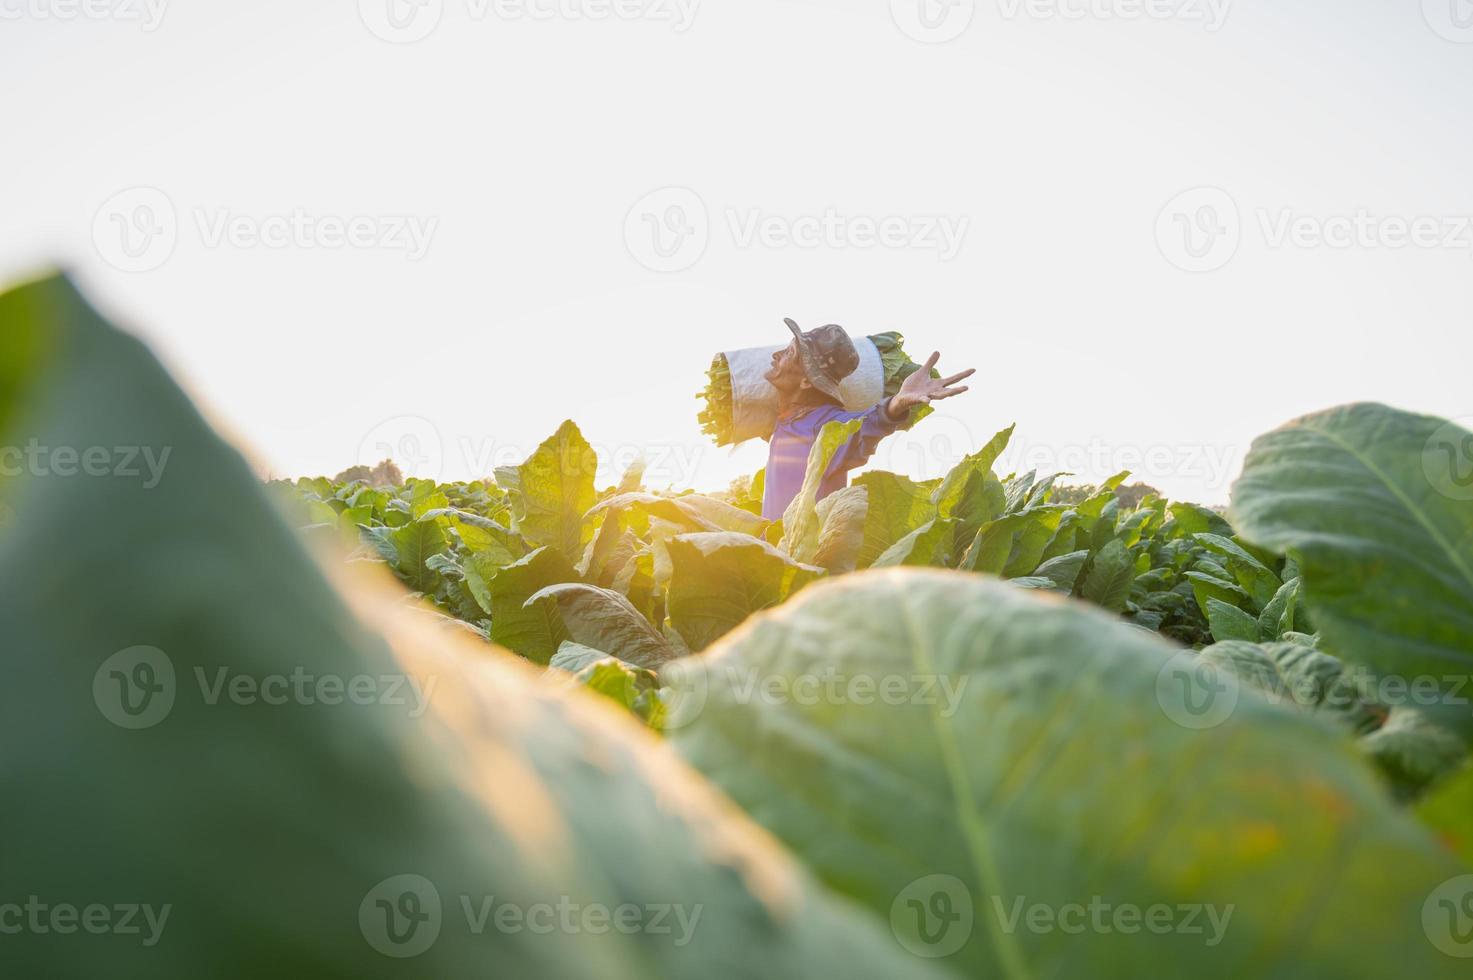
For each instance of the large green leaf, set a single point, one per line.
(1385, 550)
(691, 511)
(555, 489)
(979, 759)
(1413, 751)
(929, 544)
(1012, 545)
(970, 485)
(415, 544)
(800, 520)
(634, 689)
(606, 620)
(1228, 622)
(1448, 810)
(1252, 576)
(1110, 576)
(1292, 673)
(841, 517)
(533, 631)
(283, 835)
(1064, 570)
(897, 506)
(719, 579)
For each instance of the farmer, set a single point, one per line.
(806, 375)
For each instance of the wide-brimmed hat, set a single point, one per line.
(827, 354)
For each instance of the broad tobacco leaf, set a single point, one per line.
(1364, 500)
(316, 837)
(634, 689)
(555, 490)
(533, 630)
(841, 518)
(974, 475)
(991, 756)
(606, 620)
(897, 505)
(719, 579)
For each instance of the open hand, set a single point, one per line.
(920, 388)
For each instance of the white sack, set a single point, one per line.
(754, 399)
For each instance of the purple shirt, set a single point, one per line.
(787, 454)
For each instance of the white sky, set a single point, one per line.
(521, 143)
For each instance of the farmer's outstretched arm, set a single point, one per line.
(918, 389)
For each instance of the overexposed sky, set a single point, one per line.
(1157, 228)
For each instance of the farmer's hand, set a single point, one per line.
(920, 388)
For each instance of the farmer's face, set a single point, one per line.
(786, 373)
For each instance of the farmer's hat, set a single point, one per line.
(827, 355)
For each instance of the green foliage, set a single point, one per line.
(1029, 750)
(277, 836)
(635, 689)
(719, 579)
(1385, 554)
